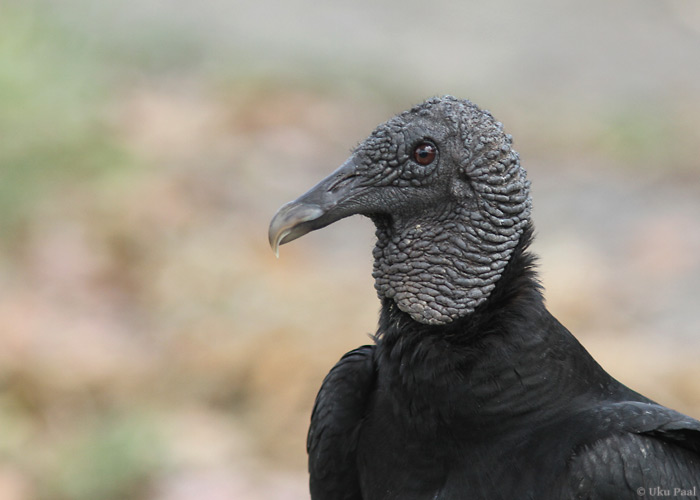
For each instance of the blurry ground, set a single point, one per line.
(152, 347)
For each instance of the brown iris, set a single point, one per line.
(425, 153)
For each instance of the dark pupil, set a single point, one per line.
(424, 153)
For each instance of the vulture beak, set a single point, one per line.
(328, 201)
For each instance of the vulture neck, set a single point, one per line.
(442, 265)
(509, 357)
(516, 292)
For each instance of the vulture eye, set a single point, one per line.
(425, 153)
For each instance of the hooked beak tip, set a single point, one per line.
(288, 223)
(275, 241)
(323, 204)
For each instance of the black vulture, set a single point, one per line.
(472, 389)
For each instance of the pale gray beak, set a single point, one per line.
(330, 200)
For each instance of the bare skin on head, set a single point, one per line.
(472, 388)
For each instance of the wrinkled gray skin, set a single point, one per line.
(445, 231)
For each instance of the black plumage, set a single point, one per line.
(472, 388)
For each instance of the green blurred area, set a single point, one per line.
(150, 344)
(52, 129)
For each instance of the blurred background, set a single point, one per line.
(152, 347)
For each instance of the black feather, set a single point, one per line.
(480, 392)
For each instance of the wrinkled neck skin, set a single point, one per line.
(440, 267)
(498, 361)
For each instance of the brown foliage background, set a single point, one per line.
(152, 347)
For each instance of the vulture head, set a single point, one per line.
(449, 199)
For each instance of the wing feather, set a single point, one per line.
(335, 423)
(648, 451)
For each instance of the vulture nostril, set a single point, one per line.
(342, 182)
